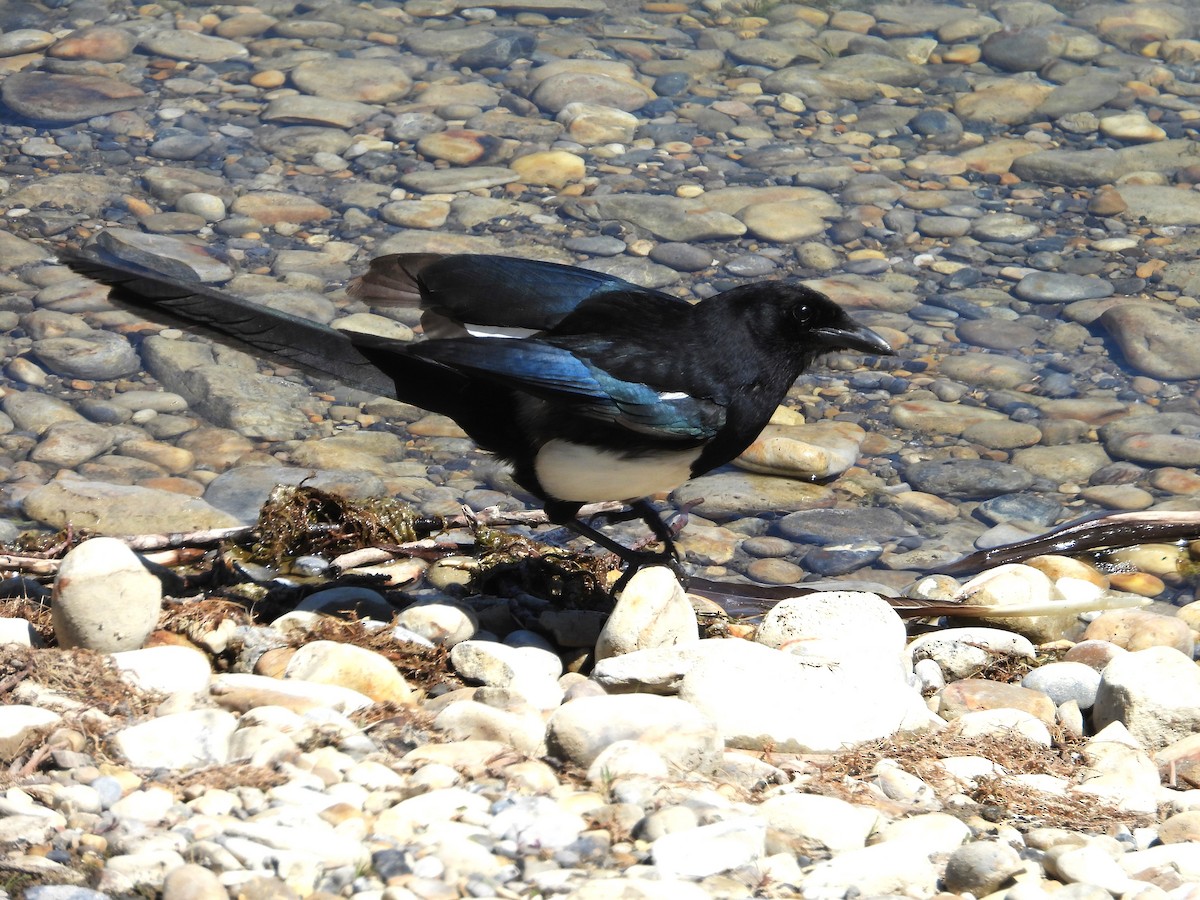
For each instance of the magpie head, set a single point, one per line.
(803, 322)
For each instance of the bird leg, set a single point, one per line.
(566, 514)
(641, 509)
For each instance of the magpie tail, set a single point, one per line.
(324, 352)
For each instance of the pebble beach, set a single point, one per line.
(1006, 191)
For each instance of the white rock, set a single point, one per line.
(826, 706)
(149, 806)
(656, 671)
(348, 666)
(536, 823)
(848, 628)
(402, 821)
(442, 623)
(1091, 864)
(103, 598)
(529, 671)
(19, 724)
(893, 867)
(709, 849)
(934, 832)
(1183, 857)
(125, 873)
(1154, 692)
(179, 741)
(260, 687)
(523, 730)
(1009, 585)
(807, 819)
(623, 759)
(19, 631)
(617, 887)
(304, 834)
(1000, 722)
(581, 729)
(652, 611)
(1123, 775)
(166, 669)
(962, 652)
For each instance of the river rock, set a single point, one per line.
(104, 599)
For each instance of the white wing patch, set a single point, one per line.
(497, 331)
(673, 395)
(585, 474)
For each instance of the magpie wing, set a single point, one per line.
(290, 340)
(488, 291)
(557, 375)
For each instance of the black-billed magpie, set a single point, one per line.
(590, 387)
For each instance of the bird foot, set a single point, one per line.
(636, 560)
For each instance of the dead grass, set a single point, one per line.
(306, 520)
(222, 778)
(1000, 799)
(422, 667)
(82, 676)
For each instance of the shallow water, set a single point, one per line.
(1007, 192)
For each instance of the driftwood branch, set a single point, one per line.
(1116, 530)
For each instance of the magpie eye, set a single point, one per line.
(803, 314)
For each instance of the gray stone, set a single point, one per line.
(1155, 693)
(165, 255)
(1156, 342)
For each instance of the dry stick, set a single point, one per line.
(33, 564)
(1117, 530)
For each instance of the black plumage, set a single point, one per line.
(590, 387)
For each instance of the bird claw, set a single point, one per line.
(636, 560)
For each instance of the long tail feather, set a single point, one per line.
(290, 340)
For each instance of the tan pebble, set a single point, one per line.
(93, 843)
(1094, 653)
(1057, 567)
(1107, 203)
(970, 694)
(551, 167)
(1175, 481)
(1138, 629)
(175, 485)
(1190, 614)
(1181, 828)
(340, 812)
(274, 662)
(435, 425)
(1131, 127)
(129, 781)
(164, 638)
(268, 79)
(138, 207)
(1142, 583)
(1157, 559)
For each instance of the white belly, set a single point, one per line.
(589, 475)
